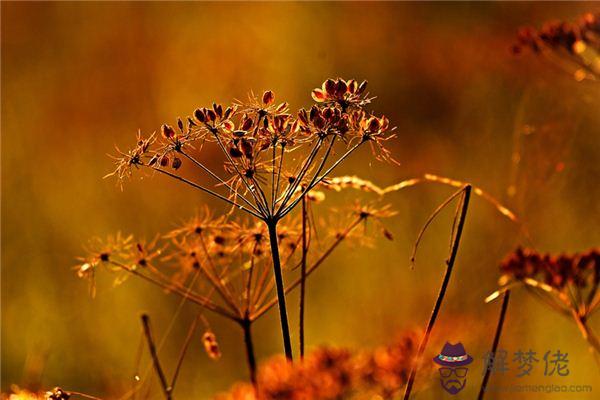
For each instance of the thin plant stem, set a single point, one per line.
(300, 178)
(215, 194)
(185, 293)
(315, 182)
(312, 268)
(246, 324)
(303, 278)
(291, 188)
(438, 303)
(228, 186)
(285, 328)
(183, 352)
(488, 371)
(241, 176)
(153, 353)
(586, 332)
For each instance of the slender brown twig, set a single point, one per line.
(246, 324)
(503, 310)
(466, 194)
(153, 353)
(183, 352)
(303, 277)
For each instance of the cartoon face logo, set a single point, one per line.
(453, 374)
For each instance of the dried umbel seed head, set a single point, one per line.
(58, 394)
(268, 98)
(576, 45)
(209, 340)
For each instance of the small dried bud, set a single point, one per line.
(164, 161)
(330, 87)
(218, 109)
(281, 107)
(362, 87)
(235, 152)
(352, 86)
(200, 115)
(180, 124)
(176, 163)
(318, 95)
(247, 124)
(268, 98)
(340, 88)
(211, 115)
(210, 345)
(167, 131)
(388, 235)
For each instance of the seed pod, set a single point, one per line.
(268, 97)
(362, 87)
(227, 125)
(352, 86)
(164, 161)
(303, 116)
(210, 345)
(340, 88)
(314, 111)
(228, 112)
(319, 122)
(235, 152)
(247, 124)
(318, 95)
(218, 109)
(180, 124)
(200, 115)
(373, 124)
(211, 115)
(167, 131)
(388, 235)
(176, 163)
(329, 86)
(247, 147)
(281, 107)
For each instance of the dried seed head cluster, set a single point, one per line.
(256, 136)
(334, 373)
(223, 264)
(577, 44)
(570, 280)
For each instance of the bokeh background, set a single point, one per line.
(78, 78)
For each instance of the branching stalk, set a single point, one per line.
(438, 303)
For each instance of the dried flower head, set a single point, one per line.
(255, 137)
(567, 282)
(575, 46)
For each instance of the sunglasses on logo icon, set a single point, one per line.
(459, 372)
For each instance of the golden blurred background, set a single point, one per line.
(78, 78)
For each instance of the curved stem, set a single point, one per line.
(442, 292)
(285, 328)
(495, 343)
